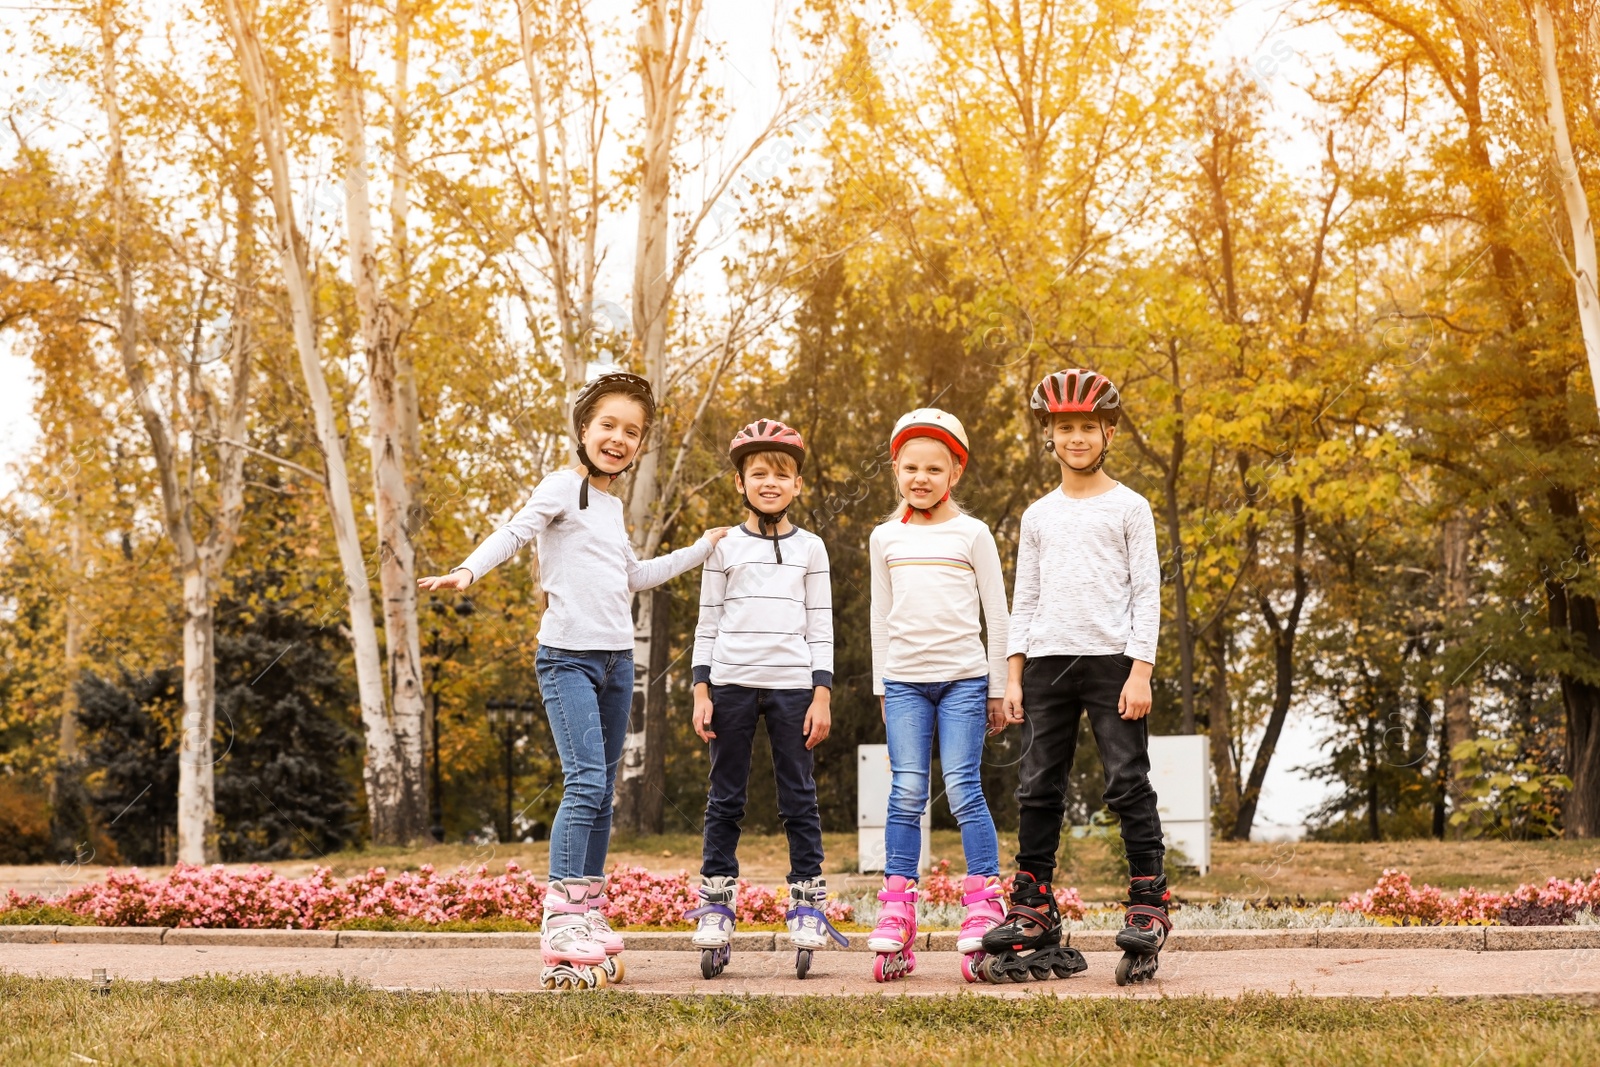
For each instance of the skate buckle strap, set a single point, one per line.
(890, 894)
(566, 907)
(710, 909)
(1156, 915)
(806, 911)
(1033, 915)
(988, 892)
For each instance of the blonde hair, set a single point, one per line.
(782, 461)
(901, 506)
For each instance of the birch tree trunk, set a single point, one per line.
(1458, 724)
(1584, 269)
(201, 563)
(664, 44)
(386, 429)
(381, 771)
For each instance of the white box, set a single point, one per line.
(1180, 772)
(873, 778)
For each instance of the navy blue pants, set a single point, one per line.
(735, 709)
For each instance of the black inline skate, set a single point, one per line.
(1028, 943)
(1141, 940)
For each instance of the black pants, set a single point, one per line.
(735, 709)
(1055, 690)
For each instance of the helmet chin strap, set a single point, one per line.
(590, 469)
(765, 520)
(1050, 447)
(926, 513)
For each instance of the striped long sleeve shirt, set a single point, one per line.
(765, 624)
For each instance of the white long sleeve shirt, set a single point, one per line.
(1088, 577)
(928, 584)
(765, 624)
(587, 566)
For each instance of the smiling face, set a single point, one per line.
(770, 480)
(926, 470)
(614, 433)
(1079, 440)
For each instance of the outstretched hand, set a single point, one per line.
(459, 578)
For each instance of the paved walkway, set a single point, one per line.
(1310, 972)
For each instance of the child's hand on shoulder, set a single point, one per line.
(702, 712)
(717, 533)
(459, 578)
(1134, 703)
(819, 718)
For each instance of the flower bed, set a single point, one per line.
(259, 898)
(1395, 900)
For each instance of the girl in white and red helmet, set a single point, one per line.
(589, 574)
(936, 582)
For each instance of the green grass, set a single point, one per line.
(43, 915)
(303, 1021)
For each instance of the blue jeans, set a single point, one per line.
(587, 697)
(960, 711)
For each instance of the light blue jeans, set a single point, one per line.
(960, 711)
(587, 697)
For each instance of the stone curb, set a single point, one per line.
(1467, 938)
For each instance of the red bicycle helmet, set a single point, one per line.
(767, 435)
(1077, 390)
(630, 385)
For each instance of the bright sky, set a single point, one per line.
(1257, 32)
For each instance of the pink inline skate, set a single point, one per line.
(891, 939)
(572, 958)
(981, 895)
(600, 930)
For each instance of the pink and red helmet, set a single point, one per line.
(1078, 390)
(766, 435)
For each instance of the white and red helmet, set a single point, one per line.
(931, 422)
(1078, 390)
(766, 435)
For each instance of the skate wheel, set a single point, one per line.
(911, 961)
(708, 964)
(549, 983)
(1125, 970)
(879, 971)
(1039, 974)
(990, 970)
(597, 978)
(613, 969)
(1063, 970)
(802, 963)
(972, 966)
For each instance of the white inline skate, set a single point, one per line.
(809, 928)
(714, 935)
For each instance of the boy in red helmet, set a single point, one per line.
(764, 646)
(1084, 621)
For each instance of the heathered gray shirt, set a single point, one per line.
(586, 564)
(1088, 577)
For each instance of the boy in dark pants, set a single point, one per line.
(1085, 615)
(763, 647)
